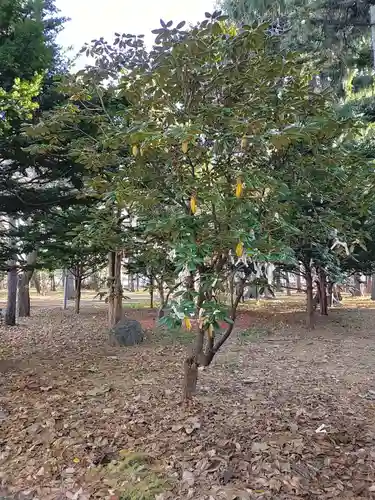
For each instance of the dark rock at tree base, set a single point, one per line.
(127, 332)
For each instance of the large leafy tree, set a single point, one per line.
(210, 118)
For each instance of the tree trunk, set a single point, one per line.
(137, 282)
(162, 299)
(298, 277)
(190, 378)
(309, 299)
(330, 294)
(10, 316)
(131, 282)
(24, 286)
(357, 285)
(35, 279)
(78, 283)
(191, 365)
(322, 292)
(277, 277)
(288, 290)
(373, 287)
(151, 289)
(23, 302)
(115, 288)
(52, 282)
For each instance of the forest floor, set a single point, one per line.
(282, 413)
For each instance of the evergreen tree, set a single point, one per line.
(30, 182)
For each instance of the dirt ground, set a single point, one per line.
(281, 414)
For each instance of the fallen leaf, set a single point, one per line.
(99, 391)
(46, 389)
(227, 476)
(258, 447)
(188, 478)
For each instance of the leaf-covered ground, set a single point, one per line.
(281, 414)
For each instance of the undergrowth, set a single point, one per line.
(134, 476)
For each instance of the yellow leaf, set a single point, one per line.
(193, 204)
(187, 323)
(135, 150)
(210, 331)
(141, 151)
(239, 249)
(239, 188)
(184, 147)
(243, 142)
(76, 460)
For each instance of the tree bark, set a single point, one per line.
(357, 285)
(23, 304)
(78, 286)
(131, 282)
(288, 290)
(162, 299)
(35, 279)
(52, 282)
(10, 316)
(151, 289)
(190, 378)
(329, 294)
(373, 287)
(309, 299)
(323, 292)
(298, 277)
(277, 277)
(115, 288)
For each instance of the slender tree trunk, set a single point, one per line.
(65, 278)
(373, 287)
(131, 282)
(52, 282)
(309, 299)
(191, 365)
(151, 289)
(288, 290)
(323, 292)
(368, 284)
(115, 288)
(78, 283)
(277, 277)
(24, 279)
(23, 302)
(137, 282)
(162, 299)
(329, 294)
(10, 316)
(190, 378)
(35, 280)
(298, 279)
(357, 285)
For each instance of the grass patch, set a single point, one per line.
(134, 476)
(136, 305)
